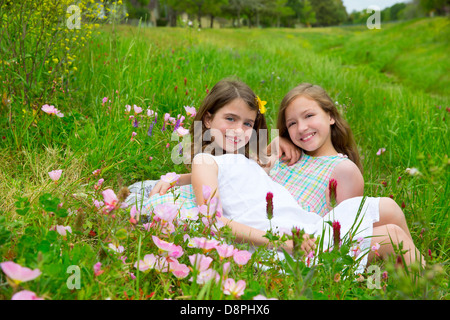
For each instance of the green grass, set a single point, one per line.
(391, 85)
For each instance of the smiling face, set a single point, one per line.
(309, 127)
(232, 125)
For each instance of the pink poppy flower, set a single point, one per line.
(98, 269)
(207, 275)
(200, 261)
(190, 111)
(173, 250)
(51, 110)
(230, 287)
(55, 175)
(147, 263)
(17, 273)
(179, 270)
(225, 250)
(166, 212)
(204, 243)
(170, 178)
(25, 295)
(62, 230)
(137, 109)
(241, 257)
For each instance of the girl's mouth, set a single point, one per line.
(234, 140)
(308, 137)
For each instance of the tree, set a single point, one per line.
(281, 10)
(438, 6)
(307, 14)
(236, 7)
(214, 8)
(329, 12)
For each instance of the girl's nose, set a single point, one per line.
(301, 127)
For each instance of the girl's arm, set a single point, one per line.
(205, 172)
(350, 182)
(280, 146)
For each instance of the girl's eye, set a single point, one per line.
(248, 124)
(309, 115)
(290, 124)
(229, 118)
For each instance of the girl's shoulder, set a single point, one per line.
(348, 173)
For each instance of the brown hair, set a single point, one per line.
(224, 92)
(341, 134)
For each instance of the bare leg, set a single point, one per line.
(391, 235)
(391, 213)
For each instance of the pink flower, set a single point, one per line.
(62, 230)
(230, 287)
(137, 109)
(118, 249)
(269, 205)
(110, 199)
(190, 111)
(98, 269)
(191, 214)
(207, 275)
(166, 212)
(182, 131)
(17, 273)
(148, 262)
(51, 110)
(225, 250)
(380, 151)
(332, 187)
(375, 248)
(55, 175)
(206, 190)
(25, 295)
(105, 100)
(200, 261)
(179, 270)
(127, 108)
(261, 297)
(170, 178)
(241, 257)
(173, 250)
(204, 243)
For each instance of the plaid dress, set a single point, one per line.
(307, 180)
(181, 196)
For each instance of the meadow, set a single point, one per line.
(390, 84)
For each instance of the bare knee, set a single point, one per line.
(391, 213)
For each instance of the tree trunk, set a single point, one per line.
(212, 22)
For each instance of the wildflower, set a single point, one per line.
(96, 172)
(200, 262)
(150, 129)
(137, 109)
(413, 171)
(269, 205)
(104, 100)
(337, 277)
(190, 111)
(166, 212)
(225, 250)
(336, 234)
(241, 257)
(332, 187)
(118, 249)
(179, 270)
(17, 273)
(261, 105)
(191, 214)
(127, 108)
(230, 287)
(133, 134)
(98, 269)
(309, 257)
(51, 110)
(62, 230)
(204, 243)
(182, 131)
(170, 178)
(150, 112)
(55, 175)
(173, 250)
(111, 201)
(25, 295)
(207, 275)
(185, 81)
(206, 190)
(148, 262)
(380, 151)
(375, 248)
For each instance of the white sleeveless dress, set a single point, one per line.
(243, 186)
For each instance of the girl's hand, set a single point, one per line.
(290, 150)
(308, 243)
(161, 187)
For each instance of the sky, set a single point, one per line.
(359, 5)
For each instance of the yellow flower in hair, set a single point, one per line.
(261, 105)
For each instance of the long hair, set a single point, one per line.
(341, 134)
(224, 92)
